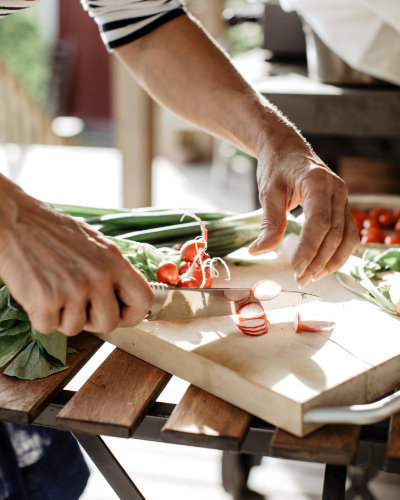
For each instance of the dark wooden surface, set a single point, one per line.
(207, 421)
(115, 398)
(333, 444)
(324, 109)
(21, 401)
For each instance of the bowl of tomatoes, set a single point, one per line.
(377, 218)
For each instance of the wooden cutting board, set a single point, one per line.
(279, 376)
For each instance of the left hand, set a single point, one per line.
(299, 177)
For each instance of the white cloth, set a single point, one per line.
(364, 33)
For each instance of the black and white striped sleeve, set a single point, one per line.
(122, 21)
(9, 6)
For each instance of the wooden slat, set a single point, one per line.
(202, 419)
(115, 398)
(21, 401)
(333, 444)
(392, 460)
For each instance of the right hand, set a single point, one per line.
(66, 275)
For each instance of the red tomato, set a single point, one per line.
(397, 226)
(370, 222)
(387, 219)
(392, 239)
(359, 216)
(374, 235)
(374, 213)
(396, 213)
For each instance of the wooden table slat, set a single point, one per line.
(115, 398)
(207, 421)
(21, 401)
(333, 444)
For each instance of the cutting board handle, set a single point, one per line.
(355, 414)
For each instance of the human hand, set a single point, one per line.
(66, 276)
(294, 175)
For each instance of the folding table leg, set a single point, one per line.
(235, 472)
(109, 466)
(334, 482)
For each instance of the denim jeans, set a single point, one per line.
(37, 463)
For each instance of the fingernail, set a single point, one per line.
(303, 281)
(300, 268)
(253, 248)
(319, 276)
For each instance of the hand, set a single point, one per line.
(64, 274)
(294, 175)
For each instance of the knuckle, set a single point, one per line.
(43, 323)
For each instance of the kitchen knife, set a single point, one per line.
(185, 303)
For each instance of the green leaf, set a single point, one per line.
(390, 259)
(55, 344)
(16, 328)
(31, 364)
(11, 345)
(10, 313)
(4, 296)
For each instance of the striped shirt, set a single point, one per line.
(119, 21)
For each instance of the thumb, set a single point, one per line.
(273, 224)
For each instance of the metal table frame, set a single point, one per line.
(236, 465)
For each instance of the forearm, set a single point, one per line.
(186, 72)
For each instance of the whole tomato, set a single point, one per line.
(397, 226)
(396, 213)
(373, 235)
(374, 213)
(370, 222)
(392, 239)
(387, 219)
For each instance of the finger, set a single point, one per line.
(44, 319)
(103, 312)
(73, 318)
(332, 240)
(273, 223)
(349, 242)
(137, 297)
(317, 206)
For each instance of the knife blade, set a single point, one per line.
(186, 303)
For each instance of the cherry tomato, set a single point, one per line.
(392, 239)
(359, 215)
(387, 219)
(396, 213)
(374, 235)
(397, 226)
(374, 213)
(370, 222)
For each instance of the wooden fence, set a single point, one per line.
(23, 120)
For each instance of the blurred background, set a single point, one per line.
(60, 87)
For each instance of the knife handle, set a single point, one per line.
(160, 291)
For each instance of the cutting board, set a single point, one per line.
(279, 376)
